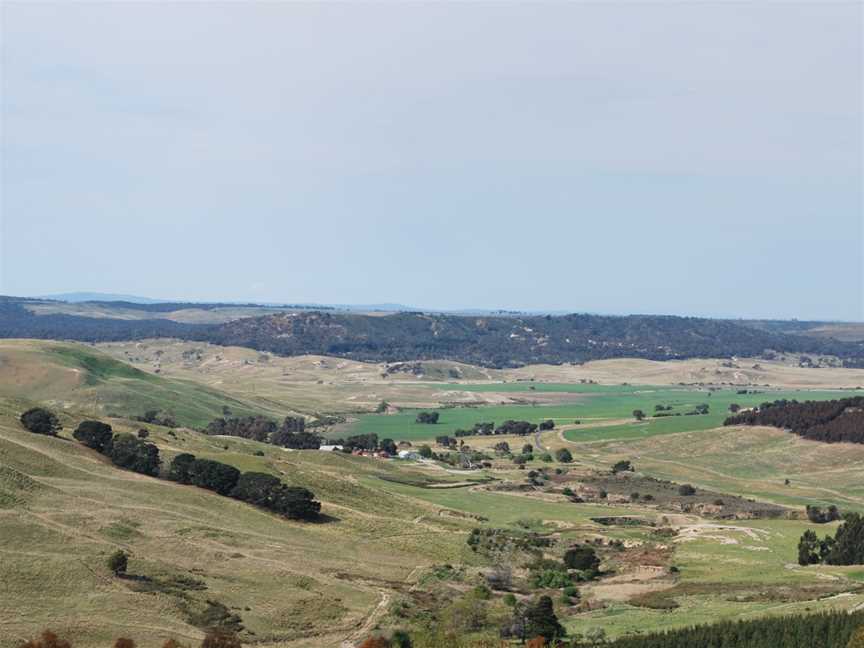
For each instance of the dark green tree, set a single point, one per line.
(180, 469)
(117, 562)
(582, 557)
(128, 451)
(808, 548)
(541, 620)
(41, 421)
(213, 475)
(563, 455)
(94, 434)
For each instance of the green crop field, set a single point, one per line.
(611, 403)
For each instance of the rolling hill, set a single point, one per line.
(490, 341)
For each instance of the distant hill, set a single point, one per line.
(76, 297)
(491, 341)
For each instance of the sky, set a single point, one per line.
(698, 158)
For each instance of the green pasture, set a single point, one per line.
(618, 402)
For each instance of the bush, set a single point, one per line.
(622, 466)
(41, 421)
(94, 434)
(117, 562)
(425, 452)
(143, 433)
(551, 579)
(430, 418)
(563, 455)
(686, 490)
(581, 557)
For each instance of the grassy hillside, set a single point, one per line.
(64, 509)
(377, 558)
(78, 377)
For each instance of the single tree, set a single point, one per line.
(541, 620)
(563, 455)
(638, 414)
(118, 561)
(41, 421)
(94, 434)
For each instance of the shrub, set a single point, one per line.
(143, 433)
(94, 434)
(622, 466)
(425, 452)
(123, 642)
(41, 421)
(551, 579)
(686, 490)
(117, 562)
(582, 557)
(430, 418)
(563, 455)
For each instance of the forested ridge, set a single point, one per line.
(826, 630)
(831, 421)
(493, 341)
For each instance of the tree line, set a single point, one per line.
(134, 453)
(832, 421)
(291, 433)
(846, 547)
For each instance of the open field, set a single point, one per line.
(593, 405)
(75, 376)
(63, 508)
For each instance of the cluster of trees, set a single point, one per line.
(157, 417)
(291, 434)
(256, 488)
(215, 638)
(125, 450)
(818, 515)
(845, 548)
(479, 429)
(41, 421)
(133, 453)
(430, 418)
(837, 629)
(830, 421)
(519, 428)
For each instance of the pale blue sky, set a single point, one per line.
(701, 158)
